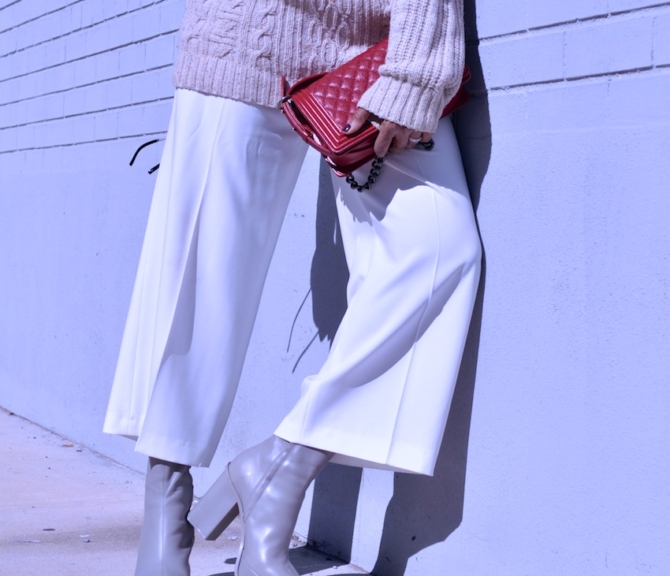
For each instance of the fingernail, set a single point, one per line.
(346, 128)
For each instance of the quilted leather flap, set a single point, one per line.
(340, 91)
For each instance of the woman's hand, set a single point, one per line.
(392, 136)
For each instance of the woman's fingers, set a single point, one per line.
(391, 136)
(356, 121)
(386, 139)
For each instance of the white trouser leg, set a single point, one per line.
(383, 395)
(225, 181)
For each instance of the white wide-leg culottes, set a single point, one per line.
(382, 397)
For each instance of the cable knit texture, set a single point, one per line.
(240, 49)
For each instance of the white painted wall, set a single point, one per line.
(555, 457)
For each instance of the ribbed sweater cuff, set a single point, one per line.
(414, 107)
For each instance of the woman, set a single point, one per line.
(229, 165)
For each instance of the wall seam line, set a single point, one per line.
(570, 23)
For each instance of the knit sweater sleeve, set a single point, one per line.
(424, 63)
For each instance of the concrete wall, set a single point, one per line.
(555, 457)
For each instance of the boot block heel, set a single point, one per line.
(215, 510)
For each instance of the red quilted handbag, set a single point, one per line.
(317, 107)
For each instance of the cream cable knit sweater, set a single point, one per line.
(240, 49)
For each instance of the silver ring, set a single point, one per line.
(414, 140)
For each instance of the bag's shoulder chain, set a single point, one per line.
(375, 169)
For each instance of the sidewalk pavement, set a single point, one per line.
(68, 511)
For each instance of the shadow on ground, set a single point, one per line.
(307, 560)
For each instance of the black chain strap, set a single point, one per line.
(376, 168)
(372, 177)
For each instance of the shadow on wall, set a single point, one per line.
(329, 274)
(423, 510)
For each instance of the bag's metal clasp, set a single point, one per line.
(283, 101)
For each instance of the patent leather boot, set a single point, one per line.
(166, 538)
